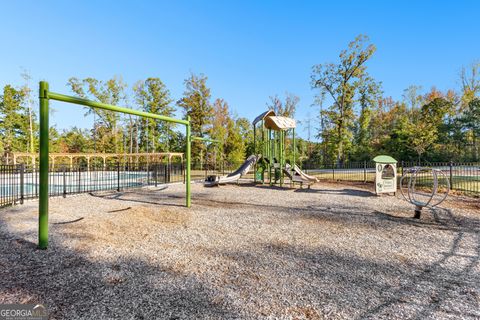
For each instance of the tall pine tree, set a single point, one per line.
(196, 104)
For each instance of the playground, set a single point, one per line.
(253, 160)
(244, 251)
(267, 240)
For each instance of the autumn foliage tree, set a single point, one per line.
(341, 82)
(196, 104)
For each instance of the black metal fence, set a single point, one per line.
(463, 177)
(20, 182)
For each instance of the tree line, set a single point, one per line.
(357, 122)
(113, 132)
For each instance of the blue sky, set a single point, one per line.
(249, 50)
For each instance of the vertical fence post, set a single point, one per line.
(450, 164)
(165, 173)
(22, 182)
(206, 172)
(118, 176)
(333, 171)
(399, 167)
(155, 173)
(64, 181)
(79, 186)
(169, 171)
(365, 171)
(148, 174)
(35, 175)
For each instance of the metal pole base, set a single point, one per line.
(418, 212)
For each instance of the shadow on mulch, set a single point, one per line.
(73, 285)
(68, 222)
(375, 289)
(148, 198)
(347, 192)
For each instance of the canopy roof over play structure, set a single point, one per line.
(384, 159)
(279, 123)
(273, 122)
(263, 116)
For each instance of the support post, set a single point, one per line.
(270, 156)
(22, 182)
(118, 175)
(148, 173)
(169, 171)
(183, 171)
(165, 173)
(44, 140)
(294, 148)
(282, 155)
(255, 152)
(64, 181)
(418, 212)
(450, 164)
(79, 185)
(187, 169)
(364, 171)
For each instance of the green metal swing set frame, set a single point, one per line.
(45, 95)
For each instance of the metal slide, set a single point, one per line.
(234, 176)
(299, 175)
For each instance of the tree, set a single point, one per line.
(341, 81)
(196, 104)
(106, 136)
(322, 133)
(425, 130)
(412, 97)
(470, 81)
(471, 123)
(13, 121)
(220, 122)
(75, 140)
(235, 134)
(153, 96)
(421, 137)
(177, 142)
(54, 140)
(369, 93)
(285, 108)
(29, 103)
(234, 149)
(246, 132)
